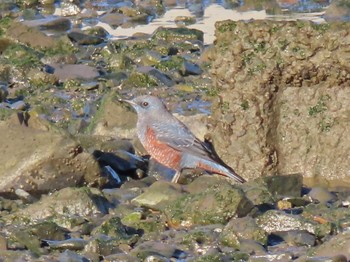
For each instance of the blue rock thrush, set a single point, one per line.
(171, 143)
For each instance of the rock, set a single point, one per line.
(121, 195)
(321, 194)
(31, 36)
(185, 20)
(158, 195)
(257, 192)
(114, 117)
(214, 205)
(284, 186)
(79, 71)
(50, 23)
(242, 228)
(70, 256)
(171, 35)
(148, 248)
(278, 221)
(120, 257)
(84, 39)
(151, 58)
(297, 238)
(69, 9)
(189, 68)
(40, 161)
(113, 19)
(156, 75)
(336, 246)
(65, 202)
(116, 231)
(71, 244)
(286, 118)
(252, 247)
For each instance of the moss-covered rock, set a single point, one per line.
(283, 98)
(214, 205)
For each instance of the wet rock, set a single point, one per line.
(276, 221)
(297, 238)
(321, 194)
(102, 245)
(78, 71)
(160, 77)
(66, 202)
(171, 35)
(70, 244)
(40, 78)
(257, 192)
(242, 228)
(151, 58)
(336, 246)
(328, 216)
(304, 129)
(214, 205)
(97, 31)
(44, 160)
(50, 23)
(116, 231)
(113, 19)
(30, 36)
(84, 39)
(47, 230)
(284, 185)
(120, 257)
(70, 256)
(189, 68)
(156, 249)
(23, 239)
(252, 247)
(184, 20)
(158, 194)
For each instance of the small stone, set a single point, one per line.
(321, 194)
(158, 194)
(297, 238)
(189, 68)
(71, 256)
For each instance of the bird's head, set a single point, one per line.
(147, 104)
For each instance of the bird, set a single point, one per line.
(171, 143)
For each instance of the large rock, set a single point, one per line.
(40, 161)
(66, 202)
(283, 98)
(215, 204)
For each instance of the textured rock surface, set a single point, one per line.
(284, 98)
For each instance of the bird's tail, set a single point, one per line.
(220, 169)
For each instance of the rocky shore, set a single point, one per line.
(76, 185)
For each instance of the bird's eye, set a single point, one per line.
(144, 104)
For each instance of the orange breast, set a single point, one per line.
(161, 152)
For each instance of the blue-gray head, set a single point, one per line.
(147, 105)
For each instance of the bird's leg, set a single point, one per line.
(176, 177)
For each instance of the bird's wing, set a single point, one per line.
(179, 137)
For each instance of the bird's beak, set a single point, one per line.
(127, 101)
